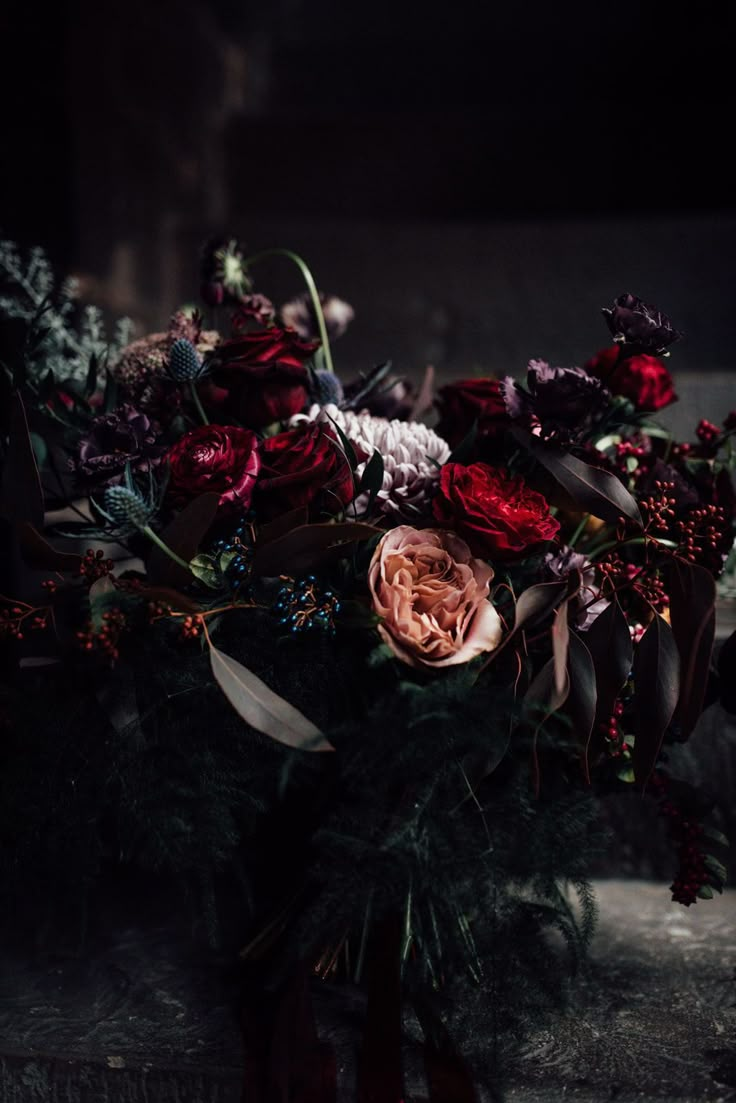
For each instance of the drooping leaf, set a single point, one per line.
(263, 709)
(36, 551)
(582, 700)
(21, 496)
(309, 546)
(90, 383)
(692, 593)
(560, 645)
(608, 641)
(184, 536)
(532, 605)
(657, 688)
(544, 696)
(595, 491)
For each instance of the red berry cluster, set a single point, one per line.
(645, 583)
(686, 832)
(158, 609)
(94, 565)
(657, 508)
(700, 535)
(191, 627)
(613, 734)
(707, 432)
(15, 618)
(105, 640)
(627, 448)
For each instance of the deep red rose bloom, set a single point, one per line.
(221, 458)
(643, 379)
(264, 374)
(301, 467)
(468, 400)
(495, 512)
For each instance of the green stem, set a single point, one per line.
(164, 547)
(578, 531)
(311, 288)
(197, 402)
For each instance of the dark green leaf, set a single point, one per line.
(715, 836)
(90, 383)
(581, 703)
(346, 445)
(371, 481)
(716, 868)
(705, 892)
(110, 397)
(692, 592)
(184, 536)
(21, 496)
(204, 568)
(609, 642)
(657, 688)
(464, 451)
(595, 491)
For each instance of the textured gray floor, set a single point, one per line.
(139, 1023)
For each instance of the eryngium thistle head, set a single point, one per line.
(325, 388)
(125, 508)
(184, 362)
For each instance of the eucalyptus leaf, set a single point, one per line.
(205, 569)
(263, 709)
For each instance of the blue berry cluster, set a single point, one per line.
(235, 557)
(302, 607)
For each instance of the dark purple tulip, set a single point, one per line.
(633, 322)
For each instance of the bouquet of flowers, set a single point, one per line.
(352, 682)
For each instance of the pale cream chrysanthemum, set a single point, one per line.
(412, 456)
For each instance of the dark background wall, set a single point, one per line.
(478, 179)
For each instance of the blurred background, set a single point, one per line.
(477, 180)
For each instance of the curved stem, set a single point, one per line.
(311, 288)
(164, 547)
(198, 403)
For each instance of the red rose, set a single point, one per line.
(643, 379)
(222, 458)
(495, 512)
(264, 374)
(304, 466)
(467, 401)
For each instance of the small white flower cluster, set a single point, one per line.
(412, 456)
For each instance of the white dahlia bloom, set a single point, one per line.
(412, 455)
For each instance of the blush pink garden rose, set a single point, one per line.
(433, 598)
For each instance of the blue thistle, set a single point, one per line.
(325, 388)
(185, 363)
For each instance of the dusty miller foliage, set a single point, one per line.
(68, 336)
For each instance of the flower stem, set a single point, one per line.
(578, 531)
(197, 402)
(311, 288)
(164, 547)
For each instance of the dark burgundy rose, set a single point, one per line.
(499, 516)
(466, 402)
(565, 402)
(220, 458)
(124, 436)
(641, 378)
(264, 375)
(633, 322)
(303, 467)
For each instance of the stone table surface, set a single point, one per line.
(145, 1022)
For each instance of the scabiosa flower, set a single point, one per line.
(223, 274)
(299, 314)
(123, 437)
(565, 402)
(633, 322)
(412, 456)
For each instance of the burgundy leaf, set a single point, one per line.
(595, 491)
(308, 546)
(657, 688)
(608, 641)
(533, 604)
(692, 593)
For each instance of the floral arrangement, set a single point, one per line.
(277, 630)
